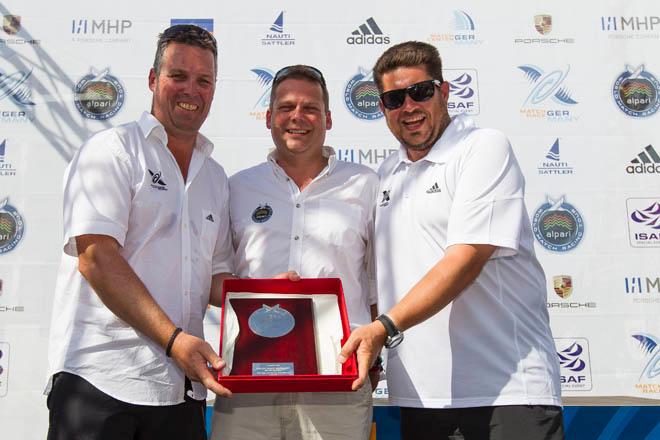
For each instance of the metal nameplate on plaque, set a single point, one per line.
(272, 369)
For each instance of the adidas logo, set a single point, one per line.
(210, 218)
(434, 189)
(368, 33)
(648, 161)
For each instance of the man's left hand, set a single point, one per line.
(366, 342)
(192, 354)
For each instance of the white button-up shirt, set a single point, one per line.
(492, 345)
(323, 231)
(125, 183)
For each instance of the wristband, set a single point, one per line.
(378, 365)
(170, 343)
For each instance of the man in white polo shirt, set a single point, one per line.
(456, 271)
(305, 211)
(146, 242)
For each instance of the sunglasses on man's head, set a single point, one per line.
(286, 71)
(419, 92)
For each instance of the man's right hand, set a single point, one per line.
(192, 354)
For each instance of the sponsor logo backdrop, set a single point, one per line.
(573, 86)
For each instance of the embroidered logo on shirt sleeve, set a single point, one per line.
(156, 181)
(262, 213)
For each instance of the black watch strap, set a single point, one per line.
(390, 328)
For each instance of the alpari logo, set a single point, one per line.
(644, 222)
(6, 168)
(368, 33)
(558, 225)
(646, 162)
(464, 31)
(99, 95)
(11, 25)
(635, 92)
(361, 96)
(12, 227)
(552, 163)
(4, 368)
(204, 23)
(265, 80)
(90, 30)
(156, 180)
(548, 90)
(543, 25)
(638, 27)
(574, 364)
(463, 92)
(643, 290)
(371, 157)
(648, 345)
(277, 36)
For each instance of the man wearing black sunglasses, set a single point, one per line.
(303, 210)
(456, 271)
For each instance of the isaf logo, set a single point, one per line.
(463, 92)
(644, 221)
(574, 364)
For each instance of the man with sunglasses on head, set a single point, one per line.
(305, 212)
(147, 242)
(456, 272)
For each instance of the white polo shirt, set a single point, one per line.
(492, 345)
(125, 183)
(323, 231)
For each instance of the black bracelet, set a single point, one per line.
(170, 343)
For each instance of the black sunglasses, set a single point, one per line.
(419, 92)
(284, 72)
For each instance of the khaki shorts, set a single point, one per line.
(293, 416)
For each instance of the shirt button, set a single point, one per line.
(297, 205)
(296, 237)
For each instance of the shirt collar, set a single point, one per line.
(327, 152)
(448, 142)
(150, 126)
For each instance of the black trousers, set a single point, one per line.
(79, 411)
(513, 422)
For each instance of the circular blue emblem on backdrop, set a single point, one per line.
(635, 92)
(262, 213)
(99, 95)
(361, 96)
(11, 227)
(558, 226)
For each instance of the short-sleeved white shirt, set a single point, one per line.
(322, 231)
(492, 345)
(125, 183)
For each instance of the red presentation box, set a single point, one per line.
(300, 359)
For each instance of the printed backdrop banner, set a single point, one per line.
(575, 87)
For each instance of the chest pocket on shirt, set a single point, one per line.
(339, 223)
(209, 233)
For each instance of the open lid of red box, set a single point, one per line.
(323, 292)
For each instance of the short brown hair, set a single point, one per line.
(185, 34)
(300, 71)
(408, 54)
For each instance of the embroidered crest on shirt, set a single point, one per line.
(156, 181)
(434, 189)
(386, 198)
(262, 213)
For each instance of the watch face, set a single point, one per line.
(393, 341)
